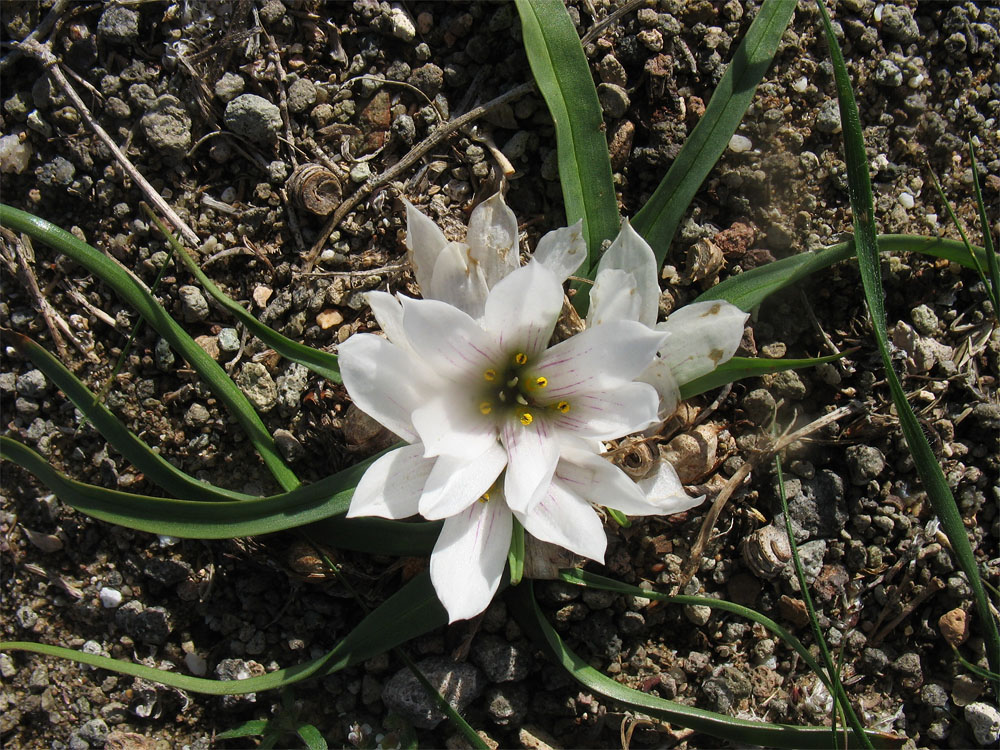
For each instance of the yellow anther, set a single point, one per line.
(563, 406)
(526, 418)
(520, 358)
(485, 497)
(541, 382)
(485, 407)
(490, 375)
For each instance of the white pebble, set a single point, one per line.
(914, 83)
(166, 540)
(110, 598)
(229, 195)
(195, 664)
(740, 143)
(878, 13)
(801, 84)
(906, 200)
(14, 155)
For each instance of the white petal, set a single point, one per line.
(630, 252)
(424, 240)
(532, 455)
(455, 483)
(469, 557)
(450, 424)
(562, 251)
(385, 381)
(615, 296)
(448, 340)
(492, 239)
(703, 335)
(392, 485)
(664, 491)
(599, 481)
(521, 310)
(600, 358)
(562, 518)
(388, 314)
(458, 281)
(611, 414)
(659, 375)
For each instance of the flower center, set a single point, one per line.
(513, 390)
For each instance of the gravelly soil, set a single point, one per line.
(158, 76)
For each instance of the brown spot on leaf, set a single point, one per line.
(713, 310)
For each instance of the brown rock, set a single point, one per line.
(210, 344)
(736, 240)
(329, 319)
(693, 453)
(793, 610)
(954, 627)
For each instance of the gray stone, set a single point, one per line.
(612, 71)
(984, 721)
(229, 341)
(118, 24)
(256, 383)
(58, 172)
(507, 705)
(614, 100)
(816, 506)
(289, 446)
(194, 306)
(725, 688)
(254, 117)
(94, 732)
(141, 95)
(899, 23)
(7, 668)
(31, 384)
(787, 385)
(428, 78)
(397, 23)
(360, 172)
(759, 405)
(163, 355)
(272, 11)
(291, 386)
(457, 683)
(167, 572)
(865, 462)
(39, 679)
(8, 382)
(887, 73)
(26, 617)
(301, 95)
(828, 117)
(697, 614)
(196, 415)
(500, 660)
(167, 126)
(404, 127)
(924, 319)
(229, 87)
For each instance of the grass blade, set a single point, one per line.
(738, 368)
(154, 466)
(250, 728)
(194, 519)
(658, 220)
(409, 613)
(321, 363)
(749, 289)
(134, 294)
(933, 479)
(961, 231)
(563, 76)
(311, 736)
(528, 615)
(401, 538)
(991, 255)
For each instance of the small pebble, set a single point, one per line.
(740, 143)
(110, 598)
(984, 720)
(906, 201)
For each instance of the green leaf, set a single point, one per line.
(738, 368)
(311, 736)
(130, 291)
(403, 538)
(515, 556)
(658, 220)
(155, 467)
(563, 76)
(928, 468)
(320, 362)
(409, 613)
(747, 290)
(246, 729)
(194, 519)
(742, 731)
(991, 256)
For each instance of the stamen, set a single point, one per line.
(526, 418)
(563, 406)
(490, 375)
(541, 382)
(485, 497)
(520, 358)
(485, 407)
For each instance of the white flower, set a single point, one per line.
(500, 425)
(700, 336)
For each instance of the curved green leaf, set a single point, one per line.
(401, 538)
(867, 249)
(738, 368)
(194, 519)
(411, 612)
(321, 363)
(658, 220)
(153, 465)
(134, 294)
(563, 76)
(749, 289)
(528, 615)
